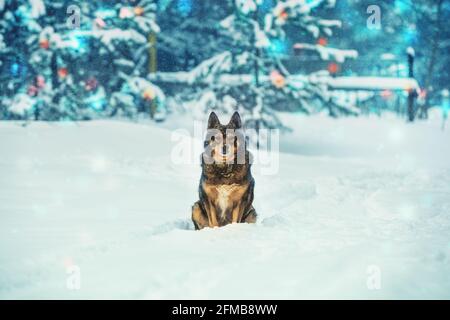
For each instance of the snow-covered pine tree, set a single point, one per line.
(432, 47)
(189, 32)
(251, 75)
(77, 59)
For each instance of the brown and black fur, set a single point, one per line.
(226, 189)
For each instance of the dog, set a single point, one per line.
(226, 183)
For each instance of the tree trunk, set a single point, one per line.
(412, 92)
(434, 49)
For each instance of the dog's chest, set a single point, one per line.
(225, 197)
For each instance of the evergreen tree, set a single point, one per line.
(190, 32)
(250, 75)
(76, 60)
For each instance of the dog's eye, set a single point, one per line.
(213, 138)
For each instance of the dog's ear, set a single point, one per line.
(213, 121)
(235, 121)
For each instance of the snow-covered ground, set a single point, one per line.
(360, 208)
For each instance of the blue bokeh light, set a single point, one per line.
(78, 43)
(98, 105)
(402, 5)
(23, 13)
(184, 7)
(410, 35)
(446, 105)
(278, 47)
(106, 13)
(313, 3)
(15, 69)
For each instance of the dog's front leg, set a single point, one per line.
(250, 216)
(199, 217)
(213, 217)
(237, 213)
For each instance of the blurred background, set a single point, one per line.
(82, 60)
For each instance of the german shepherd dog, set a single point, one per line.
(226, 184)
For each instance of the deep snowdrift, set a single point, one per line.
(353, 199)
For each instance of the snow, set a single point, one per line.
(2, 45)
(203, 74)
(108, 36)
(247, 6)
(328, 53)
(410, 51)
(210, 67)
(37, 8)
(352, 198)
(373, 83)
(21, 104)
